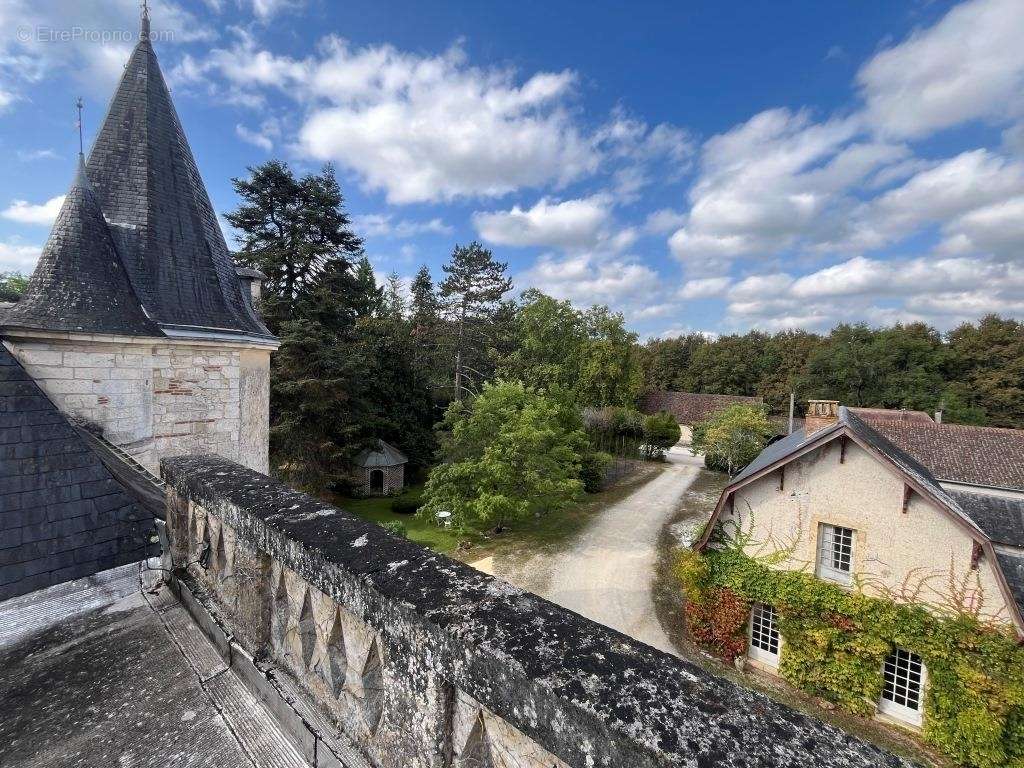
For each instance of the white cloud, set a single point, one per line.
(624, 284)
(706, 288)
(970, 65)
(24, 212)
(383, 225)
(267, 9)
(777, 181)
(940, 291)
(996, 229)
(428, 128)
(943, 193)
(435, 128)
(663, 221)
(18, 257)
(31, 155)
(569, 224)
(256, 138)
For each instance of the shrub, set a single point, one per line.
(661, 432)
(407, 503)
(593, 469)
(732, 438)
(396, 527)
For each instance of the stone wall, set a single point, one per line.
(157, 397)
(425, 662)
(691, 408)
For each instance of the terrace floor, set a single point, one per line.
(97, 673)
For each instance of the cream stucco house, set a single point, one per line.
(854, 499)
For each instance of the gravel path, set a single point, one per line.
(608, 573)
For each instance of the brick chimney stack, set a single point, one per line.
(820, 414)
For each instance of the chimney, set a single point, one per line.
(252, 284)
(820, 414)
(938, 417)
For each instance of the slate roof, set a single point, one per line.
(1012, 566)
(79, 283)
(1000, 517)
(159, 212)
(62, 514)
(386, 455)
(958, 453)
(692, 407)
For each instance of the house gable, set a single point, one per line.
(909, 545)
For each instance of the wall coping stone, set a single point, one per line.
(518, 654)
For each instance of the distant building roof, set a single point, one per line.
(872, 415)
(957, 453)
(691, 407)
(385, 455)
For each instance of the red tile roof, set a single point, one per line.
(871, 415)
(958, 453)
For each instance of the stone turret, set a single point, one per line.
(135, 319)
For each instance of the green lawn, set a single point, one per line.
(378, 510)
(542, 533)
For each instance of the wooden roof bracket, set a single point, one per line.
(907, 493)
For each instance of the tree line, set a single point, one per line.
(363, 358)
(974, 374)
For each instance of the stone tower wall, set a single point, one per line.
(157, 398)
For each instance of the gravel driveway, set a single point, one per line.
(608, 573)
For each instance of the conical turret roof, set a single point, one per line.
(159, 212)
(79, 283)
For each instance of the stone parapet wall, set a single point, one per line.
(156, 397)
(425, 662)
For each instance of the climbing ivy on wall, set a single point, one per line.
(835, 642)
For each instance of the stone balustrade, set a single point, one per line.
(424, 662)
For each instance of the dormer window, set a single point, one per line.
(835, 553)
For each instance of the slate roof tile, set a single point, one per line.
(61, 511)
(159, 211)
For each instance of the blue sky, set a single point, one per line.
(709, 166)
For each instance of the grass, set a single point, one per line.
(544, 533)
(377, 509)
(547, 533)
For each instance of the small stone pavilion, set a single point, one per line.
(381, 470)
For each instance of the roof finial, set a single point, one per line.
(81, 145)
(144, 32)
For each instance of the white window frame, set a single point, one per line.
(756, 632)
(832, 539)
(902, 665)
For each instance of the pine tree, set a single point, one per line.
(392, 301)
(471, 295)
(292, 230)
(297, 232)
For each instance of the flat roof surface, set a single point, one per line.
(96, 673)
